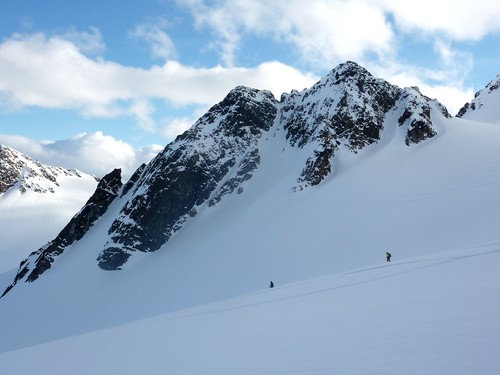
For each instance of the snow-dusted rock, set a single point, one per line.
(349, 107)
(485, 105)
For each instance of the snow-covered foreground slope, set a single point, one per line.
(434, 314)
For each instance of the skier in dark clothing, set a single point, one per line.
(271, 285)
(388, 256)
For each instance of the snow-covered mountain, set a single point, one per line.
(348, 109)
(322, 182)
(36, 201)
(483, 107)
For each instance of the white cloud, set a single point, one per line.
(446, 85)
(322, 31)
(331, 31)
(87, 42)
(93, 153)
(159, 41)
(457, 20)
(50, 72)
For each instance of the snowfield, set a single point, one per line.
(200, 304)
(436, 314)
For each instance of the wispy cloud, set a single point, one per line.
(456, 20)
(156, 37)
(87, 42)
(322, 31)
(330, 31)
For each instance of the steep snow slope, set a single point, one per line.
(437, 195)
(434, 314)
(36, 201)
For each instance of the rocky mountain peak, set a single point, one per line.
(17, 169)
(347, 71)
(349, 108)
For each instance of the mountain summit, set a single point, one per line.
(344, 113)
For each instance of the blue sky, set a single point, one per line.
(129, 76)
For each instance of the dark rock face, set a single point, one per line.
(40, 261)
(210, 160)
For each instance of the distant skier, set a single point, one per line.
(271, 285)
(388, 256)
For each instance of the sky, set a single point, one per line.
(122, 79)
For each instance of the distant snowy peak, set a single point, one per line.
(26, 174)
(485, 105)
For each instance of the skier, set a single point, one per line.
(271, 285)
(388, 256)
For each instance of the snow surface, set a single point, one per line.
(200, 304)
(436, 314)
